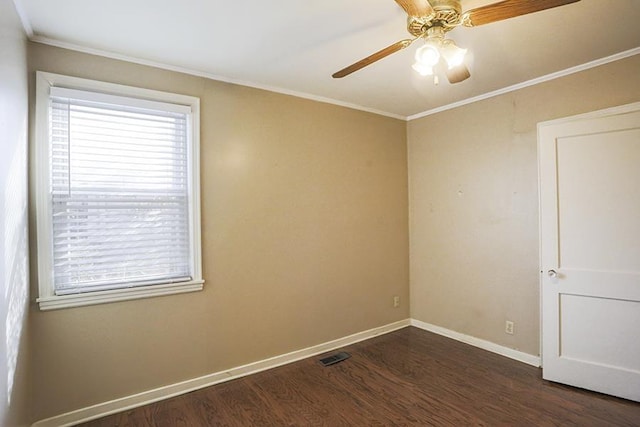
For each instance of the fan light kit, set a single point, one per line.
(436, 47)
(430, 20)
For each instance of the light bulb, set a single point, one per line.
(423, 69)
(453, 54)
(428, 55)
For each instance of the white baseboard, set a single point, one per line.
(161, 393)
(480, 343)
(155, 395)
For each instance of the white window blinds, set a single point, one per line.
(119, 192)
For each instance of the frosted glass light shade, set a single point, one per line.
(423, 69)
(453, 54)
(427, 55)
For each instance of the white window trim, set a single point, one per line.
(40, 147)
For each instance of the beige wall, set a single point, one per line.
(13, 219)
(474, 203)
(305, 239)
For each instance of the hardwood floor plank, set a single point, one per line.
(408, 377)
(284, 394)
(230, 404)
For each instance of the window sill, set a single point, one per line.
(103, 297)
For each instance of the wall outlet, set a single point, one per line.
(396, 301)
(508, 327)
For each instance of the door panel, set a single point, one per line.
(590, 250)
(596, 338)
(595, 173)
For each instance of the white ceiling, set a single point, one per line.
(293, 46)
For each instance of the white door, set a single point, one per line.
(589, 169)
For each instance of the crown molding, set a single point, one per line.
(532, 82)
(24, 19)
(197, 73)
(283, 91)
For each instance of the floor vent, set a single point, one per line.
(338, 357)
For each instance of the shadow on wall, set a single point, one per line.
(15, 278)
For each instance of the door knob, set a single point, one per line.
(552, 273)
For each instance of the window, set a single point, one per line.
(117, 192)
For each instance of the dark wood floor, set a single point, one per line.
(408, 377)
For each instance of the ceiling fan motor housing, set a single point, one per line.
(446, 14)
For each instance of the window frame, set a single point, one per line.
(47, 299)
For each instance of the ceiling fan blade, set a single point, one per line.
(417, 8)
(458, 74)
(373, 58)
(508, 9)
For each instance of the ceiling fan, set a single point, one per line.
(430, 20)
